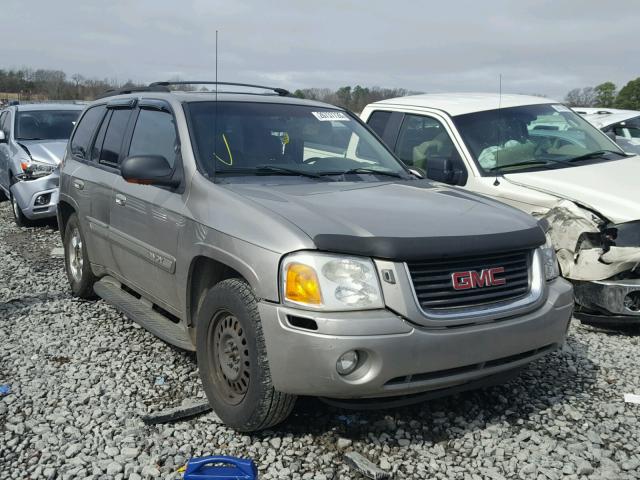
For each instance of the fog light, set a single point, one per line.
(347, 362)
(42, 200)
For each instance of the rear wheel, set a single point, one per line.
(232, 359)
(19, 217)
(76, 260)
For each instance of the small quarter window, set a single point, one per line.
(85, 130)
(154, 134)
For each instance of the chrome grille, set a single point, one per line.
(432, 280)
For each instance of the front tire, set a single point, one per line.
(76, 260)
(232, 359)
(19, 217)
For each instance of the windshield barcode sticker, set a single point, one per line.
(560, 108)
(331, 116)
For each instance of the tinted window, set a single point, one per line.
(97, 144)
(114, 136)
(422, 138)
(154, 134)
(378, 121)
(84, 133)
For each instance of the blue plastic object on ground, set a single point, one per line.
(5, 389)
(220, 468)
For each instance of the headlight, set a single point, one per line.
(34, 169)
(330, 282)
(549, 260)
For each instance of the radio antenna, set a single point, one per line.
(215, 113)
(497, 181)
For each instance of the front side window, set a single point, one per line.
(114, 137)
(422, 138)
(45, 124)
(284, 139)
(529, 137)
(84, 133)
(154, 134)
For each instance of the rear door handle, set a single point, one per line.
(120, 199)
(78, 184)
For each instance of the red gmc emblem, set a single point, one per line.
(474, 279)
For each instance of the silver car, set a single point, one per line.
(285, 244)
(33, 138)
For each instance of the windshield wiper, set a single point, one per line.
(33, 138)
(518, 164)
(366, 170)
(597, 154)
(262, 169)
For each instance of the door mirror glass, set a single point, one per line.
(3, 138)
(441, 170)
(148, 170)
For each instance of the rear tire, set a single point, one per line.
(232, 359)
(19, 217)
(76, 260)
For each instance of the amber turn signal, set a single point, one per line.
(302, 285)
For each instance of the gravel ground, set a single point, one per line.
(81, 375)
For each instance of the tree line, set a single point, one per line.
(44, 84)
(606, 95)
(351, 98)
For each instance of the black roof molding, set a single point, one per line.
(280, 91)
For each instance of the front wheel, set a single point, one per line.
(19, 217)
(232, 359)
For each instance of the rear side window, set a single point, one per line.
(84, 132)
(154, 134)
(114, 136)
(378, 121)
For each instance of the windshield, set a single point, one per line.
(243, 138)
(532, 137)
(45, 124)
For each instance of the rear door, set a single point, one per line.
(86, 184)
(146, 220)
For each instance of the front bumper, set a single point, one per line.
(619, 299)
(27, 191)
(400, 357)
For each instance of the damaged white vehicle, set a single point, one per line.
(538, 155)
(623, 126)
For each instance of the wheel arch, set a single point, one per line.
(64, 212)
(206, 271)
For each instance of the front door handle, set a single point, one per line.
(120, 199)
(78, 184)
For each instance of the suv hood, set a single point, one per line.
(610, 188)
(46, 151)
(404, 220)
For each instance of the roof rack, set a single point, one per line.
(280, 91)
(122, 91)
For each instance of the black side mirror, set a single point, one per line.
(441, 169)
(3, 137)
(148, 170)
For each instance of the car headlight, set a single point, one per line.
(330, 282)
(35, 169)
(549, 260)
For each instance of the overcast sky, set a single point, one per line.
(543, 46)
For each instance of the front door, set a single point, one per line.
(146, 221)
